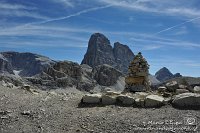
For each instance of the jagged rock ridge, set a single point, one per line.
(101, 52)
(164, 74)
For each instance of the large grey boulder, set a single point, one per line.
(179, 91)
(154, 101)
(108, 99)
(197, 89)
(106, 75)
(172, 86)
(187, 100)
(91, 98)
(125, 99)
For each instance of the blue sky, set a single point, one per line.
(166, 32)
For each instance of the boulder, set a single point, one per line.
(182, 87)
(139, 102)
(197, 89)
(91, 98)
(167, 100)
(179, 91)
(154, 101)
(126, 100)
(187, 100)
(167, 94)
(109, 99)
(161, 89)
(172, 86)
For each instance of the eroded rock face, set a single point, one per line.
(65, 74)
(106, 75)
(163, 74)
(100, 52)
(187, 100)
(5, 66)
(26, 64)
(123, 56)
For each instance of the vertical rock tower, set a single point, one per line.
(137, 79)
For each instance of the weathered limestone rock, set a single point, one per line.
(91, 98)
(154, 101)
(172, 86)
(137, 79)
(182, 87)
(110, 97)
(126, 100)
(187, 100)
(197, 89)
(106, 75)
(161, 89)
(179, 91)
(139, 102)
(167, 100)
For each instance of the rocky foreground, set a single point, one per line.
(60, 111)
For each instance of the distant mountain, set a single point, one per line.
(101, 52)
(153, 80)
(164, 74)
(23, 64)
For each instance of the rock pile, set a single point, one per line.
(140, 99)
(137, 79)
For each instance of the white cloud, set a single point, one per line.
(18, 10)
(169, 7)
(66, 3)
(73, 15)
(8, 6)
(23, 13)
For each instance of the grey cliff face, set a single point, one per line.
(27, 64)
(100, 52)
(123, 56)
(106, 75)
(5, 66)
(163, 74)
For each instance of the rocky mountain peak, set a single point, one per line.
(98, 39)
(163, 74)
(101, 52)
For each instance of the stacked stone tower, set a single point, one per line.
(137, 79)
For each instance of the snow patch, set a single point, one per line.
(16, 72)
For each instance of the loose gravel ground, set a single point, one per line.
(60, 111)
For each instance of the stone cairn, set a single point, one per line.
(137, 79)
